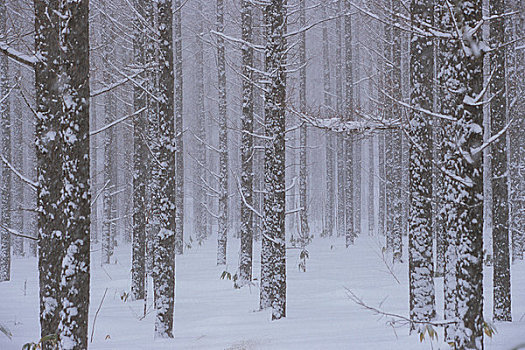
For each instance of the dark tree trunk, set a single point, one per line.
(74, 131)
(420, 257)
(49, 164)
(500, 177)
(164, 261)
(247, 149)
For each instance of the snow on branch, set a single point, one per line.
(237, 40)
(28, 181)
(16, 233)
(27, 60)
(492, 139)
(394, 318)
(338, 124)
(118, 121)
(244, 199)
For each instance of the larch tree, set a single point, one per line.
(164, 260)
(109, 140)
(340, 162)
(199, 189)
(516, 73)
(349, 138)
(247, 147)
(222, 234)
(179, 132)
(49, 164)
(500, 175)
(5, 181)
(303, 133)
(329, 137)
(462, 74)
(75, 196)
(420, 257)
(140, 159)
(273, 253)
(448, 77)
(396, 145)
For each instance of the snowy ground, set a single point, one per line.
(210, 314)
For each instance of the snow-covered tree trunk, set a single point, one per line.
(109, 143)
(74, 136)
(329, 137)
(179, 132)
(390, 189)
(500, 175)
(5, 181)
(140, 159)
(17, 154)
(396, 141)
(49, 164)
(199, 193)
(448, 75)
(420, 257)
(222, 233)
(349, 139)
(340, 161)
(273, 254)
(516, 74)
(164, 261)
(303, 132)
(247, 147)
(462, 74)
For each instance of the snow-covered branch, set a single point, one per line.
(28, 181)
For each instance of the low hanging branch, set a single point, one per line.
(338, 124)
(17, 234)
(394, 318)
(32, 184)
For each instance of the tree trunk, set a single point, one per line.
(500, 178)
(49, 165)
(273, 255)
(179, 132)
(222, 234)
(420, 257)
(247, 149)
(5, 181)
(74, 128)
(140, 159)
(303, 141)
(349, 139)
(164, 270)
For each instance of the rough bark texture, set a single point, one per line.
(222, 233)
(396, 143)
(516, 73)
(303, 135)
(247, 149)
(5, 181)
(273, 255)
(329, 137)
(164, 261)
(199, 193)
(179, 141)
(500, 175)
(49, 165)
(349, 139)
(340, 216)
(74, 131)
(140, 170)
(420, 257)
(463, 67)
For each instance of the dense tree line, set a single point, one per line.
(119, 128)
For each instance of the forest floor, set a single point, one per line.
(211, 314)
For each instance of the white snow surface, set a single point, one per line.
(210, 314)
